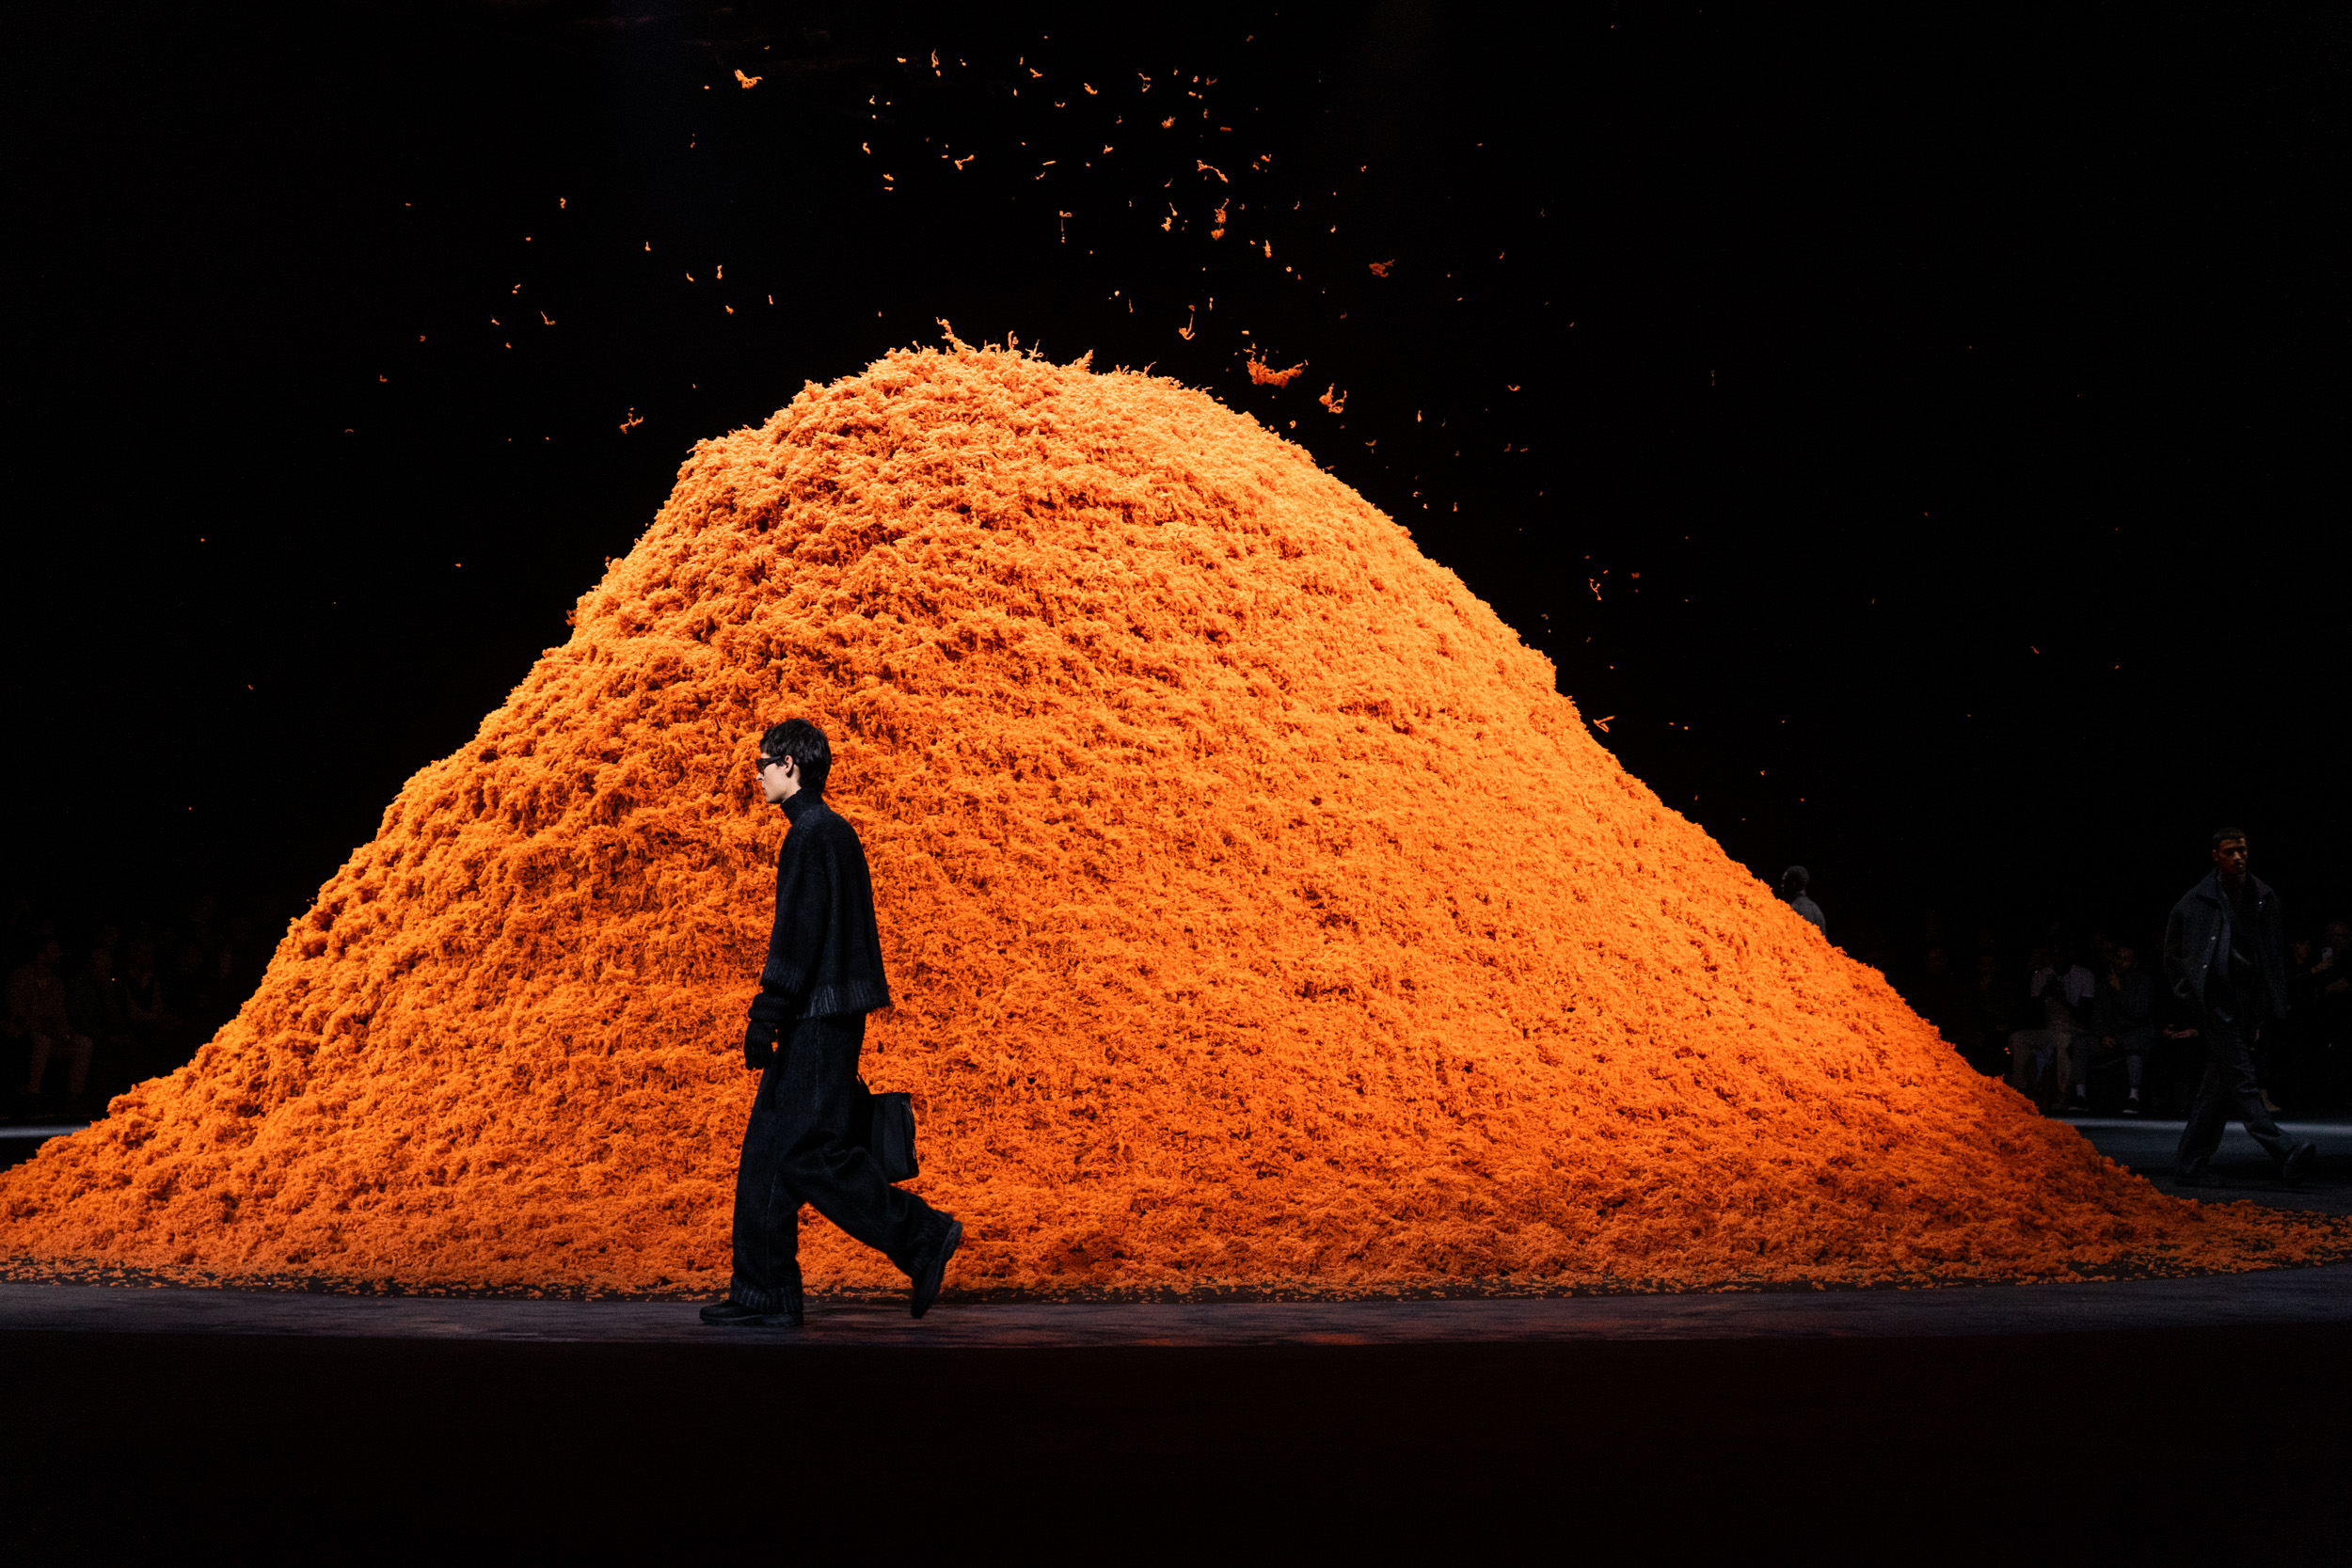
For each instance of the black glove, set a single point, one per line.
(759, 1045)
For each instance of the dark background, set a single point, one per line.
(1963, 388)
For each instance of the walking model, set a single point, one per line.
(823, 975)
(2226, 961)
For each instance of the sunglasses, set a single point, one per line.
(765, 763)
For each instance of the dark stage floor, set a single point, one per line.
(2150, 1421)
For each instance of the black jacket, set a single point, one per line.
(824, 956)
(2196, 954)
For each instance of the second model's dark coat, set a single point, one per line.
(824, 955)
(2197, 942)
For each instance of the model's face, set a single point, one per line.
(2124, 958)
(779, 778)
(2230, 855)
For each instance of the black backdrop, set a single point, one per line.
(1963, 388)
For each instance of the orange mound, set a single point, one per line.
(1258, 913)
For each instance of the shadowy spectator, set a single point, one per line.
(142, 992)
(2124, 1012)
(2058, 999)
(37, 1009)
(94, 1002)
(1942, 997)
(1793, 883)
(2324, 1020)
(1992, 1016)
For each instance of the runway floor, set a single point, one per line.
(2149, 1421)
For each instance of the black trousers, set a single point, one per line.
(796, 1150)
(2229, 1086)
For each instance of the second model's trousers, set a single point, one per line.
(796, 1150)
(2229, 1088)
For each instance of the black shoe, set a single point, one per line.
(2297, 1165)
(2132, 1107)
(733, 1314)
(933, 1273)
(2197, 1176)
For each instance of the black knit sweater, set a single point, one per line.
(824, 956)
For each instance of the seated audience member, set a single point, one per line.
(142, 994)
(37, 1008)
(2330, 1026)
(1944, 999)
(2124, 1012)
(1793, 883)
(2059, 997)
(2181, 1044)
(93, 1001)
(1992, 1016)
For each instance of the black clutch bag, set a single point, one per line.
(883, 1125)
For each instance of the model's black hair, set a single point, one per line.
(806, 744)
(1795, 880)
(2222, 833)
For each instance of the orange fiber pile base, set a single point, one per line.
(1259, 912)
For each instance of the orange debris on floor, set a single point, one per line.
(1258, 912)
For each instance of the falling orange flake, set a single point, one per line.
(1334, 400)
(1261, 376)
(1380, 269)
(749, 81)
(1212, 168)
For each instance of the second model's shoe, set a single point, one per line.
(933, 1273)
(734, 1314)
(2132, 1106)
(2297, 1165)
(2078, 1103)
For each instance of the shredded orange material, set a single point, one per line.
(1258, 912)
(1261, 376)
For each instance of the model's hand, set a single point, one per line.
(759, 1046)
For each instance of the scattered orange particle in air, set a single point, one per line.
(1212, 168)
(1258, 912)
(1380, 269)
(1169, 121)
(1334, 400)
(1261, 376)
(749, 81)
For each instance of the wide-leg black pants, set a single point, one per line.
(796, 1150)
(2229, 1086)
